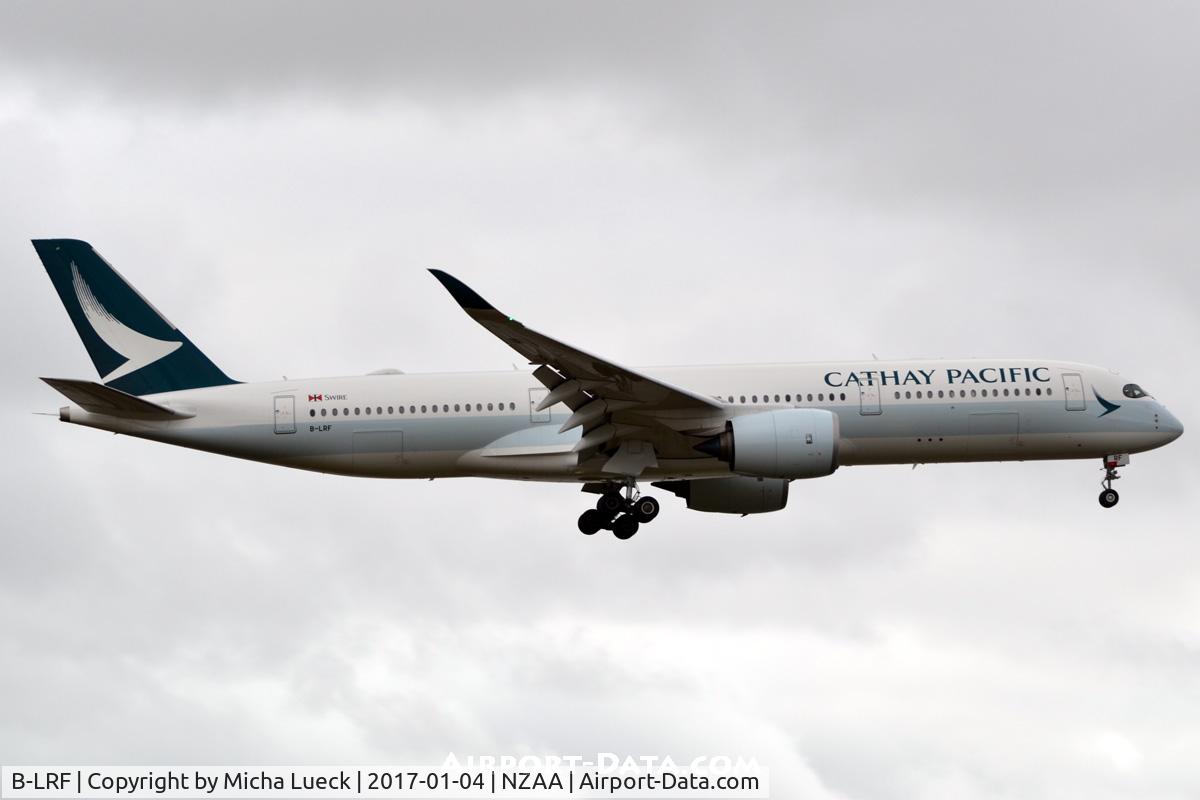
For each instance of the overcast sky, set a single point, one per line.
(665, 184)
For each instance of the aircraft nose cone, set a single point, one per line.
(1169, 425)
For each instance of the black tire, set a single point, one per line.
(610, 503)
(625, 526)
(646, 508)
(1109, 498)
(590, 521)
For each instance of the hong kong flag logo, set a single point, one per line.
(312, 398)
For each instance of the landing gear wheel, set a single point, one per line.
(610, 503)
(625, 526)
(590, 521)
(646, 509)
(1109, 498)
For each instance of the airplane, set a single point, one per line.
(725, 439)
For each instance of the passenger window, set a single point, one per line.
(1006, 392)
(399, 408)
(456, 407)
(489, 406)
(897, 395)
(368, 411)
(357, 411)
(940, 393)
(512, 406)
(312, 412)
(754, 398)
(1039, 391)
(1049, 391)
(972, 393)
(322, 412)
(843, 395)
(821, 397)
(776, 398)
(810, 397)
(479, 406)
(335, 412)
(378, 409)
(918, 394)
(787, 398)
(390, 409)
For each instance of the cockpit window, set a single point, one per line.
(1134, 391)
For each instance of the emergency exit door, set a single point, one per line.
(536, 396)
(285, 414)
(1073, 388)
(868, 400)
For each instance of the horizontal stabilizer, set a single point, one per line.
(96, 398)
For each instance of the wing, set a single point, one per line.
(611, 403)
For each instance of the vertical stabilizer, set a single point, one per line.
(134, 347)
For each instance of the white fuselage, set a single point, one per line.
(485, 424)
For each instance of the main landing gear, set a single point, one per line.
(1109, 497)
(622, 515)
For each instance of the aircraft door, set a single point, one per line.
(868, 400)
(285, 414)
(379, 453)
(536, 396)
(1073, 388)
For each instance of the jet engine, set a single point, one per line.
(736, 495)
(787, 443)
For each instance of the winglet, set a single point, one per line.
(464, 295)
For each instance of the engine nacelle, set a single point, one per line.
(736, 495)
(788, 443)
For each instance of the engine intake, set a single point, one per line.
(788, 443)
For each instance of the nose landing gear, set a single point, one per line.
(622, 515)
(1109, 497)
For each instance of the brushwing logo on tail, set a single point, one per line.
(138, 349)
